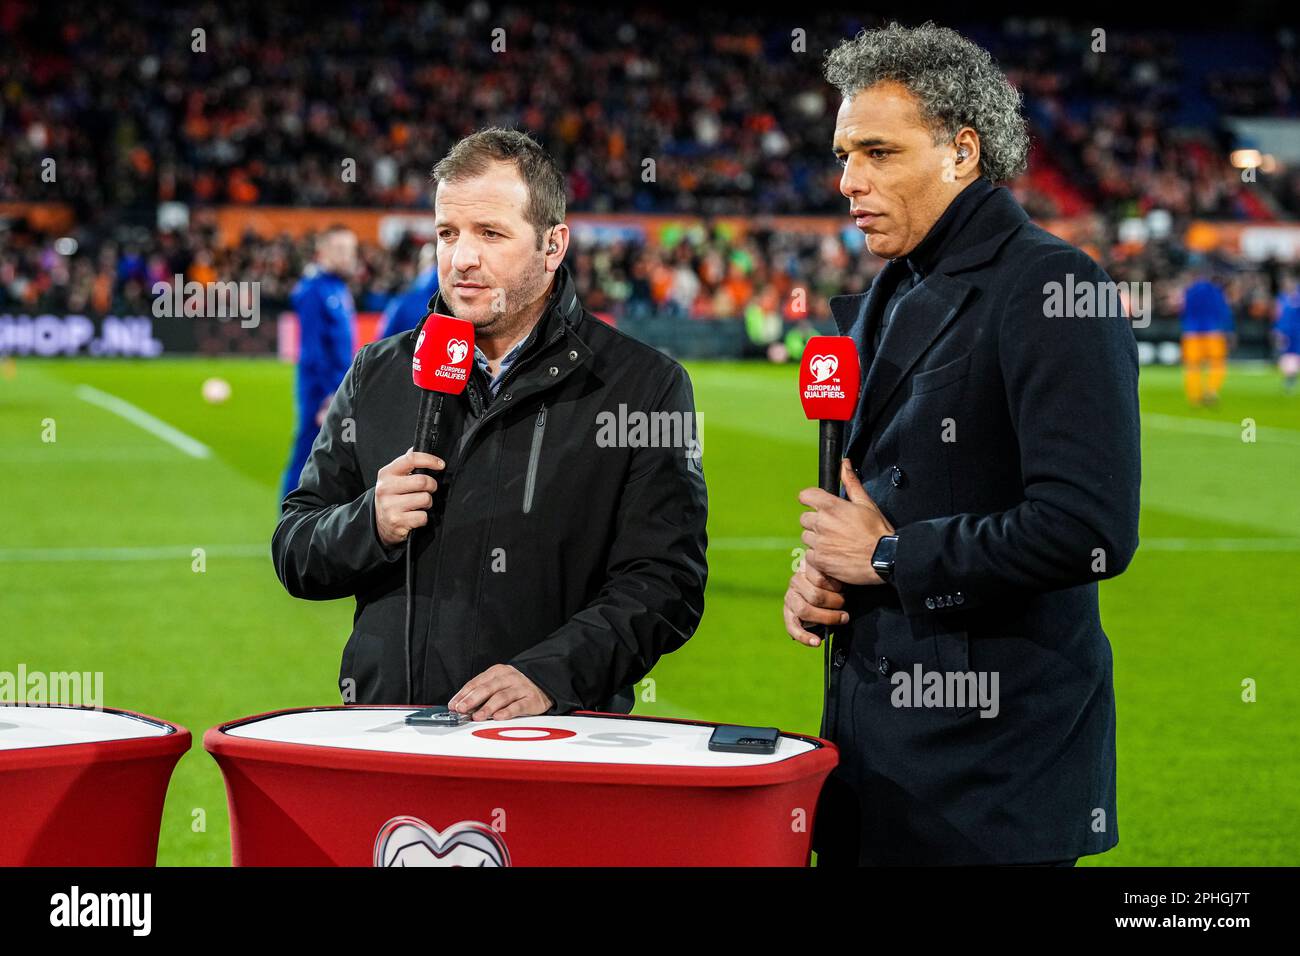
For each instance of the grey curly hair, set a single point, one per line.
(956, 81)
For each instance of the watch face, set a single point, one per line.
(883, 560)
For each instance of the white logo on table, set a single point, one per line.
(823, 367)
(409, 841)
(457, 349)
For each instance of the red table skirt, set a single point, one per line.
(88, 804)
(302, 805)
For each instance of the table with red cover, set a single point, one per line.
(81, 786)
(357, 786)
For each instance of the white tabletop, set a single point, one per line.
(564, 739)
(24, 727)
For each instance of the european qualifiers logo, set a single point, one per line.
(830, 377)
(823, 367)
(409, 841)
(426, 366)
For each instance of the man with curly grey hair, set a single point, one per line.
(991, 480)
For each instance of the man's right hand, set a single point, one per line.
(403, 499)
(812, 598)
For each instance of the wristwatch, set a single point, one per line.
(882, 560)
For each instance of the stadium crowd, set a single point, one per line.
(696, 269)
(276, 101)
(137, 110)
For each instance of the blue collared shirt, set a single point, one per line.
(482, 361)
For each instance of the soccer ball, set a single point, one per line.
(216, 390)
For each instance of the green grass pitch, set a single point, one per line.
(98, 529)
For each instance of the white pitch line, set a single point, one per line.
(184, 552)
(1196, 426)
(1219, 544)
(138, 416)
(172, 553)
(753, 544)
(53, 454)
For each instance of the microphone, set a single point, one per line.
(829, 377)
(443, 355)
(444, 352)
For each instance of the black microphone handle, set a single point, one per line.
(831, 434)
(830, 451)
(427, 420)
(426, 425)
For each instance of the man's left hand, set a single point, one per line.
(841, 535)
(499, 693)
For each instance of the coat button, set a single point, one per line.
(573, 356)
(505, 397)
(884, 667)
(929, 603)
(553, 371)
(896, 477)
(839, 658)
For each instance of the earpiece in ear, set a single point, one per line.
(961, 153)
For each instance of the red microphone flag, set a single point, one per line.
(444, 353)
(829, 377)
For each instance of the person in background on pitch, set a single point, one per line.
(408, 310)
(553, 567)
(326, 337)
(1286, 331)
(1207, 331)
(991, 480)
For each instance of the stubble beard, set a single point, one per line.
(510, 324)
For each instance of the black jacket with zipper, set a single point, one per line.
(576, 559)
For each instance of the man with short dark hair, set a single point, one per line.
(991, 481)
(557, 562)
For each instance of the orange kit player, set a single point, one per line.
(1207, 325)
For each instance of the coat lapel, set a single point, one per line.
(922, 316)
(854, 316)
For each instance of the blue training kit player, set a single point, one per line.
(326, 319)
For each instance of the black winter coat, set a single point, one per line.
(1002, 442)
(575, 558)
